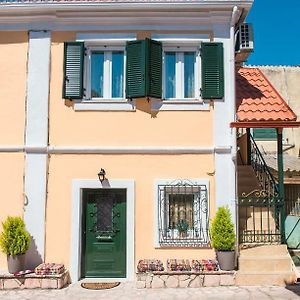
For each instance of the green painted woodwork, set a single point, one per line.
(281, 181)
(104, 233)
(73, 70)
(292, 232)
(143, 69)
(212, 62)
(264, 134)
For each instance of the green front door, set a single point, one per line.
(104, 233)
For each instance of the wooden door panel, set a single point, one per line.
(104, 235)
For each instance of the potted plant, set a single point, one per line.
(182, 227)
(223, 238)
(14, 242)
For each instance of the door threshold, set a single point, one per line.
(95, 279)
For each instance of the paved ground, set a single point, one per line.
(127, 291)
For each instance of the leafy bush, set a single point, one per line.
(14, 239)
(182, 226)
(222, 230)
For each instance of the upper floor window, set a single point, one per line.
(105, 74)
(144, 68)
(181, 74)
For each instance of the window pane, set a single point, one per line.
(117, 74)
(189, 75)
(170, 60)
(181, 216)
(97, 62)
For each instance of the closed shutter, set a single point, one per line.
(135, 69)
(143, 69)
(155, 69)
(73, 70)
(212, 70)
(264, 133)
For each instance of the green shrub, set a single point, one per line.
(14, 239)
(182, 226)
(222, 230)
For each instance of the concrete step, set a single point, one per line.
(264, 250)
(275, 263)
(266, 278)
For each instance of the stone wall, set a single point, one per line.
(158, 280)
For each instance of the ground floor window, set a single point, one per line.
(183, 214)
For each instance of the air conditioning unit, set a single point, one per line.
(243, 43)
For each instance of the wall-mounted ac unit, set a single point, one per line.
(244, 43)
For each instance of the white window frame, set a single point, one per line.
(179, 73)
(104, 42)
(157, 183)
(107, 74)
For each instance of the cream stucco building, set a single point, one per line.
(138, 102)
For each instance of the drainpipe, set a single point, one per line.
(236, 13)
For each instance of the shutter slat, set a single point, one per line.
(155, 69)
(143, 69)
(212, 70)
(73, 70)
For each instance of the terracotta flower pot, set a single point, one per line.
(226, 260)
(15, 263)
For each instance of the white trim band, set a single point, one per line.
(114, 150)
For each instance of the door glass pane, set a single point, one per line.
(189, 74)
(97, 61)
(105, 204)
(117, 74)
(170, 62)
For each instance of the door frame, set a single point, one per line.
(76, 223)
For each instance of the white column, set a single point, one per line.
(224, 136)
(36, 135)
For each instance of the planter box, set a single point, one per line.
(32, 281)
(157, 280)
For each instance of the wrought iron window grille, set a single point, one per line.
(183, 214)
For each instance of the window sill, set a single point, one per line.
(105, 105)
(180, 104)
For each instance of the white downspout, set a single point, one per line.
(236, 13)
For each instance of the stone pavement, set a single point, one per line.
(128, 291)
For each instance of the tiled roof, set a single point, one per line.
(257, 99)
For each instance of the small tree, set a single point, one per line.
(14, 239)
(222, 230)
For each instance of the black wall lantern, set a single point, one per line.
(101, 175)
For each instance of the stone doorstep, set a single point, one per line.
(33, 281)
(175, 279)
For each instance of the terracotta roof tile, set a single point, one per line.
(257, 99)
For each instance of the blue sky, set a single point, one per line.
(276, 32)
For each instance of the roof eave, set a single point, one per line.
(265, 124)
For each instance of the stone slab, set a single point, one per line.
(32, 281)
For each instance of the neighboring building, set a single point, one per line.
(147, 102)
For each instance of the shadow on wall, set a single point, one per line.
(33, 258)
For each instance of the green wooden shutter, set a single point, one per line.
(73, 70)
(135, 69)
(264, 133)
(143, 69)
(212, 70)
(154, 69)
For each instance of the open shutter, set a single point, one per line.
(73, 70)
(135, 69)
(154, 69)
(212, 70)
(143, 69)
(264, 133)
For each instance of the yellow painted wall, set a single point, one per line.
(144, 169)
(140, 128)
(13, 65)
(11, 190)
